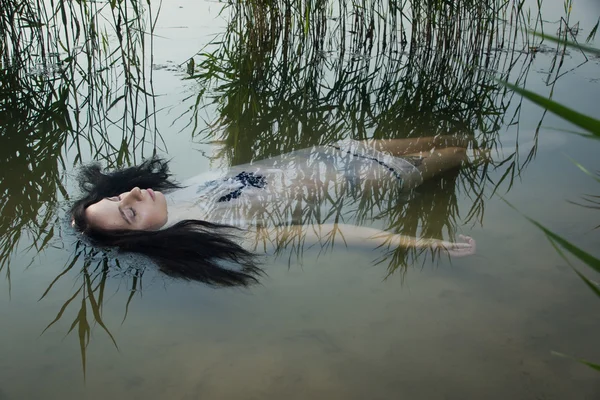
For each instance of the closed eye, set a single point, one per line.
(127, 215)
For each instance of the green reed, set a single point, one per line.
(75, 85)
(590, 129)
(88, 298)
(289, 74)
(69, 93)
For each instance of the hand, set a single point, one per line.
(465, 247)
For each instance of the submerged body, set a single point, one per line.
(305, 187)
(302, 197)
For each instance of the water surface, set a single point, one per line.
(333, 324)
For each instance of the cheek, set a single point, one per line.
(155, 217)
(164, 208)
(163, 216)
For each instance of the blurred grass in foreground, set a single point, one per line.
(591, 130)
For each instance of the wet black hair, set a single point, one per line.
(190, 249)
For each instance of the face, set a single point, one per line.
(137, 209)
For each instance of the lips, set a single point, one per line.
(151, 193)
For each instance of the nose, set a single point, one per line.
(134, 194)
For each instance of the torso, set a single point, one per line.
(311, 186)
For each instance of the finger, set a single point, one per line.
(465, 238)
(461, 252)
(451, 246)
(458, 253)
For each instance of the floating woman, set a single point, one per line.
(210, 230)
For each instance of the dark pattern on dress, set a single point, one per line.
(246, 179)
(415, 161)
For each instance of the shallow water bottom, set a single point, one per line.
(332, 326)
(331, 329)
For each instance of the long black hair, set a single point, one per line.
(190, 249)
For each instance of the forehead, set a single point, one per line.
(105, 214)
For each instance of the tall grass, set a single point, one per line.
(74, 86)
(289, 74)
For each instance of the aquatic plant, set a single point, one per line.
(288, 75)
(95, 271)
(73, 87)
(590, 129)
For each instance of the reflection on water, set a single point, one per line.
(280, 78)
(281, 87)
(317, 192)
(66, 97)
(88, 298)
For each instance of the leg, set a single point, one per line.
(400, 147)
(441, 160)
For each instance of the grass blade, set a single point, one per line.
(590, 124)
(589, 364)
(577, 46)
(588, 259)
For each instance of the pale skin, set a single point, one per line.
(435, 161)
(353, 235)
(145, 209)
(140, 209)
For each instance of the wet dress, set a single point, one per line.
(337, 183)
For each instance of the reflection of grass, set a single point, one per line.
(63, 88)
(591, 130)
(289, 75)
(94, 277)
(281, 86)
(73, 85)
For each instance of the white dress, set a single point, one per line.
(344, 182)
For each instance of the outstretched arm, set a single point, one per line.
(362, 235)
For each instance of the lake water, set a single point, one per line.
(334, 324)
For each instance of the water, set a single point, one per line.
(333, 324)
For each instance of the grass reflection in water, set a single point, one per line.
(283, 76)
(286, 76)
(68, 94)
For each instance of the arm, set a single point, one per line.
(361, 235)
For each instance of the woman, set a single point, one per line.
(283, 201)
